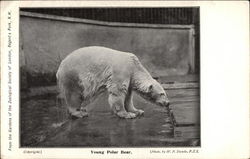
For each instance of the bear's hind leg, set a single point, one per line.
(130, 106)
(117, 105)
(73, 100)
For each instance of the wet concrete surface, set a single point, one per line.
(45, 124)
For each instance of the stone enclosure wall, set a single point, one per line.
(45, 40)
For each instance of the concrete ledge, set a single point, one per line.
(39, 91)
(103, 23)
(180, 86)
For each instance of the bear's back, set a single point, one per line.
(97, 55)
(96, 59)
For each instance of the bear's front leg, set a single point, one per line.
(130, 106)
(117, 105)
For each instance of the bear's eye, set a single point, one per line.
(162, 94)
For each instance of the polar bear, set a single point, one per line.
(87, 72)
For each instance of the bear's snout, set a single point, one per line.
(166, 103)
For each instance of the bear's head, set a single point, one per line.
(155, 93)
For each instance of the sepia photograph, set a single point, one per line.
(109, 77)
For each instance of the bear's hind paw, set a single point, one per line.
(78, 114)
(126, 115)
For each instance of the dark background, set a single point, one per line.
(127, 15)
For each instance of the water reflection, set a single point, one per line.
(100, 129)
(123, 132)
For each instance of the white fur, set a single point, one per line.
(92, 70)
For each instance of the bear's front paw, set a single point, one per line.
(131, 115)
(139, 112)
(126, 115)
